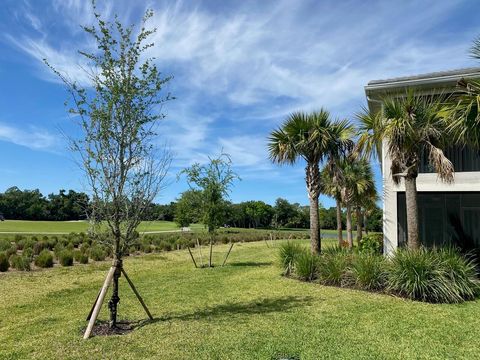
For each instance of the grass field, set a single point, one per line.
(245, 310)
(58, 227)
(65, 227)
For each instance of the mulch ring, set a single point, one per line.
(102, 328)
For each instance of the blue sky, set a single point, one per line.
(240, 67)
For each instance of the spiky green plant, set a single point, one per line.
(288, 253)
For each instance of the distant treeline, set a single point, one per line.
(19, 204)
(258, 214)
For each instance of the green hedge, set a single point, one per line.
(430, 275)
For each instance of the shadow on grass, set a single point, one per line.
(260, 306)
(250, 263)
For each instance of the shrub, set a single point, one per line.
(44, 259)
(369, 271)
(80, 257)
(18, 237)
(25, 244)
(9, 252)
(461, 272)
(438, 276)
(28, 253)
(306, 265)
(4, 264)
(97, 253)
(21, 263)
(5, 244)
(58, 249)
(39, 246)
(371, 243)
(287, 255)
(333, 266)
(66, 258)
(51, 242)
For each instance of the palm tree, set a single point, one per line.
(462, 113)
(369, 204)
(411, 126)
(365, 195)
(315, 138)
(357, 184)
(331, 185)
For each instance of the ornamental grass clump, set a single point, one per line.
(305, 265)
(436, 276)
(289, 251)
(65, 258)
(4, 264)
(462, 273)
(368, 271)
(334, 266)
(20, 262)
(44, 259)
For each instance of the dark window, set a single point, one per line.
(445, 218)
(462, 158)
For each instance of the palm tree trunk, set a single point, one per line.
(339, 223)
(358, 214)
(412, 212)
(315, 240)
(312, 178)
(349, 227)
(365, 219)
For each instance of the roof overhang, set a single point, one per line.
(432, 83)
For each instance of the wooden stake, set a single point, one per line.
(210, 259)
(137, 294)
(200, 251)
(228, 253)
(191, 255)
(99, 302)
(93, 306)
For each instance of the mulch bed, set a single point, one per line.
(103, 328)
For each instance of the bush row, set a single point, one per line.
(79, 247)
(440, 275)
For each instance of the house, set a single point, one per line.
(448, 213)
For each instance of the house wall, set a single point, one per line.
(463, 182)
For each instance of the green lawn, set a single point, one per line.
(60, 227)
(245, 310)
(20, 226)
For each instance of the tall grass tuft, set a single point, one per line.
(461, 271)
(289, 251)
(333, 266)
(437, 276)
(369, 271)
(306, 265)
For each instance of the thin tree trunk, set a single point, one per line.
(365, 221)
(339, 223)
(412, 212)
(315, 240)
(359, 224)
(349, 227)
(115, 299)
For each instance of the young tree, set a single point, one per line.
(188, 207)
(117, 116)
(410, 126)
(214, 180)
(315, 138)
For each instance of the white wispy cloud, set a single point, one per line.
(32, 137)
(240, 71)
